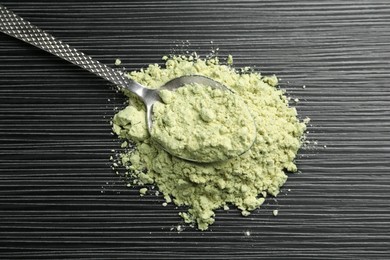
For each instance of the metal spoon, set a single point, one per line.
(17, 27)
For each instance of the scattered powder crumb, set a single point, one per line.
(143, 191)
(179, 228)
(203, 188)
(247, 233)
(296, 100)
(303, 86)
(164, 204)
(118, 62)
(275, 212)
(229, 60)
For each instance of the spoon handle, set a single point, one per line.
(17, 27)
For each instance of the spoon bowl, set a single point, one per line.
(151, 96)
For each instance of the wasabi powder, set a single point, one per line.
(202, 124)
(242, 181)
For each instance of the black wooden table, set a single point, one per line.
(60, 199)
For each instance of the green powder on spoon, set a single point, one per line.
(202, 124)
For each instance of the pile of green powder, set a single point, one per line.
(243, 181)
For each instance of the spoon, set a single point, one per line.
(17, 27)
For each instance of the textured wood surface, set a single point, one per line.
(60, 199)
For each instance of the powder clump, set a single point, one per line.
(241, 181)
(202, 124)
